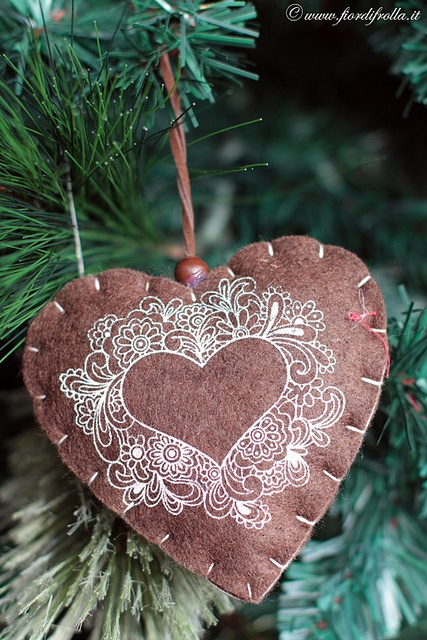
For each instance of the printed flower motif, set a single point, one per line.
(306, 394)
(274, 478)
(132, 452)
(115, 401)
(209, 473)
(264, 441)
(325, 358)
(306, 314)
(101, 331)
(135, 339)
(170, 458)
(192, 317)
(87, 414)
(238, 324)
(153, 467)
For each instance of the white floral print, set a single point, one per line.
(155, 468)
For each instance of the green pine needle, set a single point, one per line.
(62, 122)
(407, 43)
(371, 579)
(406, 403)
(366, 582)
(129, 40)
(82, 102)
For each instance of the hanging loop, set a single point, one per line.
(179, 152)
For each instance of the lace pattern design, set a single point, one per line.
(154, 468)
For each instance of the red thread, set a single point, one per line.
(360, 317)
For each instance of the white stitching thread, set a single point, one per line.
(33, 349)
(193, 296)
(351, 428)
(231, 272)
(376, 383)
(270, 248)
(277, 564)
(147, 285)
(249, 590)
(41, 397)
(329, 475)
(92, 478)
(58, 306)
(210, 568)
(166, 537)
(97, 284)
(61, 440)
(305, 521)
(321, 251)
(364, 281)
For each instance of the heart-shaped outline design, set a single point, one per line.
(153, 467)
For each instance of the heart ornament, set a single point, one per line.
(217, 422)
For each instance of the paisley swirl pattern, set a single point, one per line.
(154, 468)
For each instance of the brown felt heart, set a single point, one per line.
(218, 422)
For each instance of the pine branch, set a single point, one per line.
(74, 565)
(86, 114)
(129, 37)
(406, 402)
(365, 582)
(407, 46)
(371, 578)
(62, 128)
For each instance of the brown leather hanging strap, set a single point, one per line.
(179, 152)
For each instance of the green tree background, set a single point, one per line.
(338, 118)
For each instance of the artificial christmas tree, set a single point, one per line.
(88, 184)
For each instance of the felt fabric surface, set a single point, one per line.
(217, 422)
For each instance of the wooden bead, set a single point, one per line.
(191, 270)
